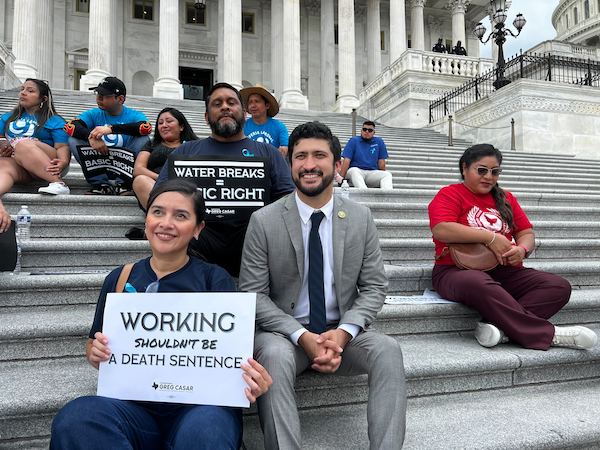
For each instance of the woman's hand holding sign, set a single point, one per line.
(97, 349)
(257, 378)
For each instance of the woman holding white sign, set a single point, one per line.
(175, 216)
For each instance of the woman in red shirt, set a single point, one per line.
(515, 302)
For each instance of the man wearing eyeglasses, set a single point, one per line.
(364, 160)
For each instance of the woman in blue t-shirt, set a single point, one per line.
(175, 217)
(33, 144)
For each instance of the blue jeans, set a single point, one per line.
(90, 423)
(135, 145)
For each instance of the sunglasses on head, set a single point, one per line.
(368, 130)
(482, 171)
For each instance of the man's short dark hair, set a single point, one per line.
(316, 130)
(369, 122)
(220, 86)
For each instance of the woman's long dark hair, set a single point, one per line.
(187, 134)
(474, 154)
(46, 111)
(185, 188)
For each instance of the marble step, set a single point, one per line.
(516, 187)
(413, 210)
(90, 254)
(49, 226)
(60, 331)
(408, 250)
(426, 194)
(435, 366)
(419, 228)
(69, 254)
(414, 278)
(73, 226)
(521, 418)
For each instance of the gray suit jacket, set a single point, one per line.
(273, 264)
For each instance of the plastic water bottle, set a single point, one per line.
(345, 189)
(23, 224)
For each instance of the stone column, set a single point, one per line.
(101, 46)
(168, 85)
(458, 9)
(327, 55)
(291, 96)
(44, 38)
(347, 98)
(373, 39)
(23, 46)
(231, 70)
(277, 46)
(418, 27)
(397, 29)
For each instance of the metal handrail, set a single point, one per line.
(546, 67)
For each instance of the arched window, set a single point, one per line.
(586, 9)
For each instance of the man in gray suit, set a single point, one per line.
(316, 265)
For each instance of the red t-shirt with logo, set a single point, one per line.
(456, 203)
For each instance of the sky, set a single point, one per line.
(538, 28)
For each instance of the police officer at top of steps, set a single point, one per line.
(222, 239)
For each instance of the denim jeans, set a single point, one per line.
(102, 423)
(137, 143)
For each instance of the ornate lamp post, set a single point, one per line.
(499, 34)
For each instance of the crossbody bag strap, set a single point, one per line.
(123, 277)
(445, 251)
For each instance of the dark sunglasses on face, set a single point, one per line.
(368, 130)
(482, 171)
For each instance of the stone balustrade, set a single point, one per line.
(429, 62)
(566, 49)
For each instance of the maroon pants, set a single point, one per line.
(517, 300)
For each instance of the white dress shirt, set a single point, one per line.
(302, 309)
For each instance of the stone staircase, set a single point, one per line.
(460, 394)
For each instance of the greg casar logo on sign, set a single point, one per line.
(172, 387)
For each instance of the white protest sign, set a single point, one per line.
(178, 347)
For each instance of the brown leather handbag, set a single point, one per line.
(473, 256)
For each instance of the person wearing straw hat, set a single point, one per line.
(262, 126)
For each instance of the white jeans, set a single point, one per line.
(372, 178)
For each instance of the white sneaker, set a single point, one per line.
(574, 337)
(489, 335)
(55, 188)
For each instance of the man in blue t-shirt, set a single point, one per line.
(262, 127)
(235, 174)
(111, 125)
(364, 160)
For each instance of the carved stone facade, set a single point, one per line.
(549, 117)
(578, 22)
(129, 47)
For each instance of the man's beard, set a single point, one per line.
(313, 191)
(227, 129)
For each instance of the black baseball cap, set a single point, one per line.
(110, 86)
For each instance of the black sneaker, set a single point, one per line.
(101, 189)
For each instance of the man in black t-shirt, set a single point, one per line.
(236, 175)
